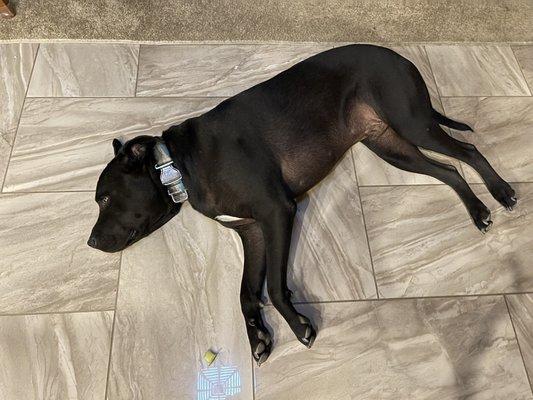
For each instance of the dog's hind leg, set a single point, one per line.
(406, 107)
(436, 139)
(399, 152)
(253, 280)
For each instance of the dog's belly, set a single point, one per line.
(307, 162)
(305, 169)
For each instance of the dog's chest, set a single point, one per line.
(228, 218)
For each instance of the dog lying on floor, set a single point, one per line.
(245, 162)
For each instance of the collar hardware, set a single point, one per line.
(170, 176)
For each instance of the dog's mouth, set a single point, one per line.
(131, 238)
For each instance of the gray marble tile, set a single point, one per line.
(5, 151)
(63, 144)
(84, 70)
(524, 55)
(45, 263)
(446, 349)
(54, 356)
(329, 257)
(16, 62)
(179, 296)
(372, 170)
(503, 133)
(521, 308)
(214, 70)
(482, 70)
(423, 242)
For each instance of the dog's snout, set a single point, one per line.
(92, 242)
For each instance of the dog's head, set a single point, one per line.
(132, 201)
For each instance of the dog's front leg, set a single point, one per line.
(253, 279)
(276, 223)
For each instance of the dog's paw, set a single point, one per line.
(506, 196)
(261, 350)
(260, 343)
(306, 334)
(481, 217)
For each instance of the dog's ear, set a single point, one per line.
(137, 149)
(117, 145)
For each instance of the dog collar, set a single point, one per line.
(170, 176)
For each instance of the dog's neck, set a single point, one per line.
(170, 176)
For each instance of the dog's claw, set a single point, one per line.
(506, 196)
(260, 341)
(262, 359)
(510, 206)
(310, 335)
(488, 224)
(261, 352)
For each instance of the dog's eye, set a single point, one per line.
(104, 201)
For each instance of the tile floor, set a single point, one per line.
(410, 301)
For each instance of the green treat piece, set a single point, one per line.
(209, 357)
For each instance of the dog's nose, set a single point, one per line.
(92, 242)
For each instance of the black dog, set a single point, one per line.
(246, 161)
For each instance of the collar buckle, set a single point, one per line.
(170, 176)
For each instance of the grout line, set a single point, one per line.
(52, 313)
(20, 117)
(407, 185)
(253, 377)
(518, 343)
(228, 96)
(181, 97)
(364, 224)
(369, 300)
(46, 191)
(137, 74)
(436, 184)
(433, 74)
(230, 42)
(521, 96)
(113, 328)
(521, 70)
(448, 130)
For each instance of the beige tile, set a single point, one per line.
(482, 70)
(521, 308)
(503, 133)
(329, 253)
(45, 263)
(63, 144)
(214, 70)
(16, 62)
(54, 356)
(84, 70)
(524, 55)
(423, 242)
(444, 349)
(179, 296)
(5, 151)
(372, 170)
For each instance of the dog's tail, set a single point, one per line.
(450, 123)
